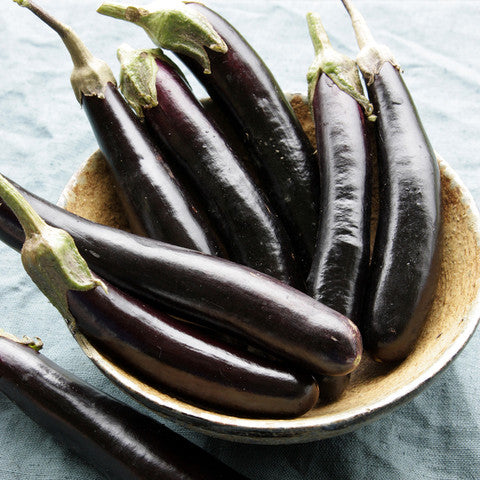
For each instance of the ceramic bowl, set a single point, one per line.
(375, 389)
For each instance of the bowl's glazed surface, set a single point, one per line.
(374, 388)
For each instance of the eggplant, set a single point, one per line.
(188, 361)
(169, 354)
(210, 290)
(156, 202)
(239, 80)
(119, 441)
(250, 229)
(406, 256)
(332, 388)
(340, 266)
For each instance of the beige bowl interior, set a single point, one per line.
(374, 388)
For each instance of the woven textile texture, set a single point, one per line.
(44, 137)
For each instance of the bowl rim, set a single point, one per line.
(300, 429)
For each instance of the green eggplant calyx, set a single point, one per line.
(371, 58)
(372, 55)
(55, 265)
(34, 343)
(49, 255)
(138, 70)
(90, 75)
(339, 67)
(174, 26)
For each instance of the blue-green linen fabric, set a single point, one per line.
(44, 137)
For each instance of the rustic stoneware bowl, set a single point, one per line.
(374, 388)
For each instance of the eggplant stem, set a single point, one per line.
(318, 34)
(90, 75)
(49, 255)
(362, 31)
(119, 12)
(372, 55)
(78, 51)
(31, 222)
(340, 68)
(174, 26)
(34, 343)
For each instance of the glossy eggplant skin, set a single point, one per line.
(119, 441)
(284, 157)
(406, 257)
(155, 202)
(250, 229)
(11, 232)
(340, 265)
(339, 269)
(187, 360)
(332, 388)
(211, 290)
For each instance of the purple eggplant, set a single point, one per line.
(156, 202)
(340, 264)
(405, 262)
(171, 355)
(210, 290)
(188, 361)
(250, 229)
(119, 441)
(239, 80)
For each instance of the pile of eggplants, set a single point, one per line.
(262, 266)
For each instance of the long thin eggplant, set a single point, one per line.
(210, 290)
(119, 441)
(251, 230)
(240, 81)
(340, 265)
(166, 353)
(339, 269)
(187, 360)
(405, 263)
(156, 202)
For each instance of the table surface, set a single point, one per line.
(45, 137)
